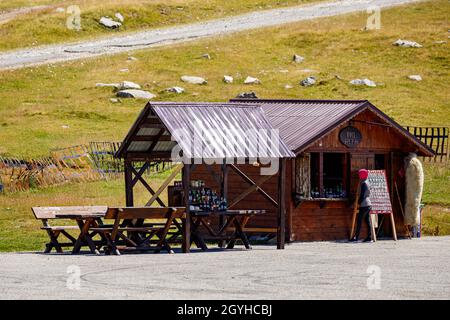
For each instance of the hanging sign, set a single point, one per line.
(350, 136)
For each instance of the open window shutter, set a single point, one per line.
(302, 175)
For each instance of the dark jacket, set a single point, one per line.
(364, 194)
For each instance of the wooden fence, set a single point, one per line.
(437, 138)
(82, 163)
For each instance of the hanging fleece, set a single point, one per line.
(414, 187)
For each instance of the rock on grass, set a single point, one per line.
(363, 82)
(136, 94)
(109, 23)
(193, 80)
(407, 44)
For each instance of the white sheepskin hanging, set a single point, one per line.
(414, 188)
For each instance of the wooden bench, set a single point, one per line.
(51, 213)
(129, 228)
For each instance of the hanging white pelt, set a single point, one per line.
(414, 188)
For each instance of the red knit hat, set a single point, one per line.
(363, 174)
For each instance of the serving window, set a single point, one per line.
(322, 175)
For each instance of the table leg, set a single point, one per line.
(84, 235)
(241, 233)
(195, 236)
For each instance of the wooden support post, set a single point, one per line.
(321, 188)
(186, 245)
(281, 228)
(129, 201)
(394, 232)
(223, 194)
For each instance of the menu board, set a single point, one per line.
(379, 192)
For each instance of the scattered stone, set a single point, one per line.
(109, 23)
(65, 127)
(175, 90)
(308, 71)
(283, 71)
(114, 100)
(415, 77)
(365, 82)
(137, 94)
(251, 80)
(124, 85)
(288, 86)
(407, 43)
(60, 10)
(193, 80)
(308, 81)
(124, 70)
(131, 58)
(102, 85)
(440, 42)
(338, 77)
(247, 95)
(206, 56)
(119, 17)
(228, 79)
(297, 59)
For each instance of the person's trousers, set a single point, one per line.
(364, 214)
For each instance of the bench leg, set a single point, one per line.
(53, 235)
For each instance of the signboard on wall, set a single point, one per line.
(350, 136)
(379, 192)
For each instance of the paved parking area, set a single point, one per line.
(407, 269)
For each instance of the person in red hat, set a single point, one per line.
(364, 205)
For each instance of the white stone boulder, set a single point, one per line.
(228, 79)
(175, 90)
(415, 77)
(311, 80)
(124, 85)
(363, 82)
(252, 80)
(407, 44)
(136, 94)
(297, 59)
(109, 23)
(119, 17)
(193, 80)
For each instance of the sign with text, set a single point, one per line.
(379, 192)
(350, 136)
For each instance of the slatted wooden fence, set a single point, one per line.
(437, 138)
(82, 163)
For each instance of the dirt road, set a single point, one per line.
(183, 33)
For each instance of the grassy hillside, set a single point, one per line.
(37, 102)
(48, 26)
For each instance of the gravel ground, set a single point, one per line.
(160, 37)
(408, 269)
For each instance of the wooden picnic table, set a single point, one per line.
(130, 230)
(233, 218)
(86, 221)
(84, 215)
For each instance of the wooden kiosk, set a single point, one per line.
(198, 136)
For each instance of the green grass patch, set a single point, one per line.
(48, 26)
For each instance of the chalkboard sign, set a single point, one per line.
(379, 192)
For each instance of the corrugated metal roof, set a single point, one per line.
(300, 121)
(209, 131)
